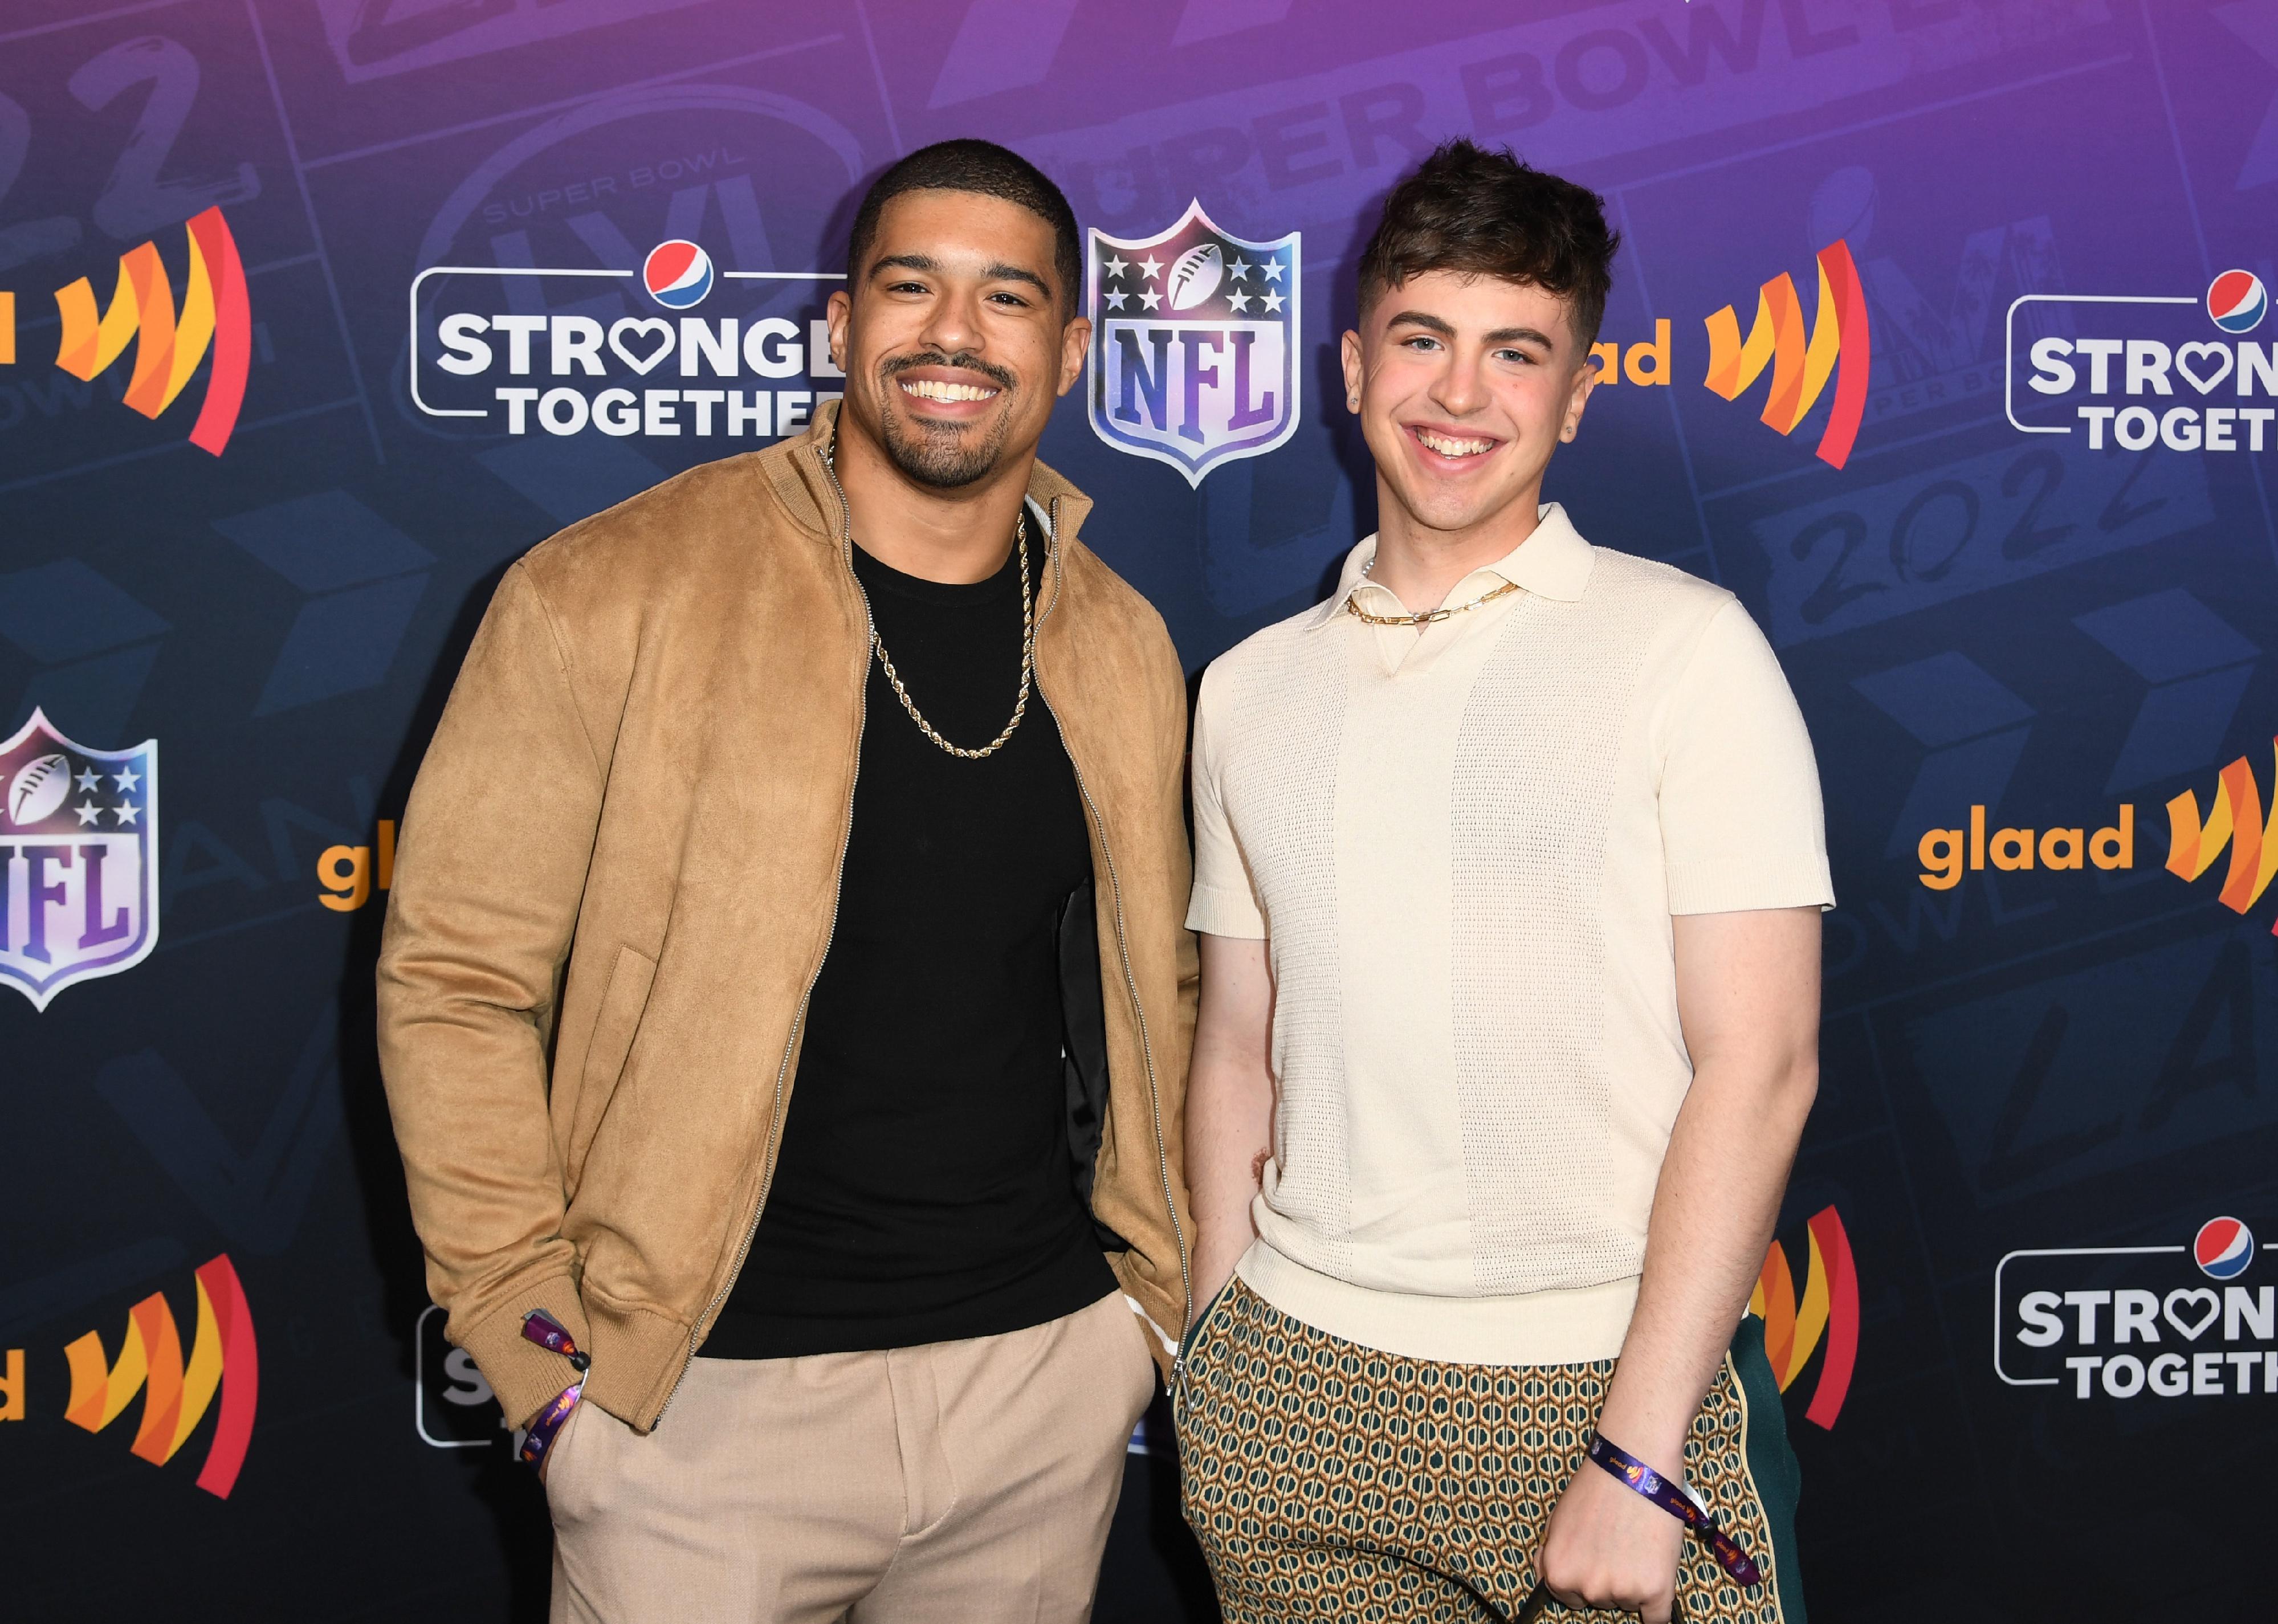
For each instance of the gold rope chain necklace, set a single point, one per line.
(1424, 617)
(1027, 649)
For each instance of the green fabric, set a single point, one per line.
(1771, 1462)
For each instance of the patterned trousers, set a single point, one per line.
(1325, 1480)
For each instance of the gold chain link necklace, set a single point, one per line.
(1028, 647)
(1425, 617)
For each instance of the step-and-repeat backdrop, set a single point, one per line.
(1939, 334)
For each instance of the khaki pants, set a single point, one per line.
(959, 1482)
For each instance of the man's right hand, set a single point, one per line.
(1229, 1108)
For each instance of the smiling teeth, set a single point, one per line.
(929, 390)
(1447, 447)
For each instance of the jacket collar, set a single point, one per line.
(1554, 561)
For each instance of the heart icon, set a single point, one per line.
(638, 326)
(2202, 1297)
(2186, 353)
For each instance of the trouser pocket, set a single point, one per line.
(1187, 1343)
(1198, 1334)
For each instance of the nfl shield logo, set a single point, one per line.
(79, 872)
(1194, 351)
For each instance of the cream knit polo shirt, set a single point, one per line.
(1464, 847)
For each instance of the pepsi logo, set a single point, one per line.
(2237, 300)
(38, 790)
(2223, 1248)
(1195, 275)
(677, 274)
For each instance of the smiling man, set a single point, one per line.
(1508, 867)
(785, 1001)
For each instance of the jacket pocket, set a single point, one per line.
(622, 1001)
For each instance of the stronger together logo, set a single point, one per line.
(2136, 1322)
(577, 357)
(2146, 380)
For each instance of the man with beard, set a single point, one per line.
(785, 1004)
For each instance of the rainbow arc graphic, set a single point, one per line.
(169, 344)
(1839, 347)
(2234, 820)
(1828, 1309)
(176, 1394)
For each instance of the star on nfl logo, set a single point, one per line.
(1194, 350)
(78, 875)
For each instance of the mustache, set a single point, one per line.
(996, 375)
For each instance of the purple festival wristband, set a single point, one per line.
(546, 1425)
(1679, 1502)
(542, 1328)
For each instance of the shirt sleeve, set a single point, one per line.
(1225, 902)
(1741, 823)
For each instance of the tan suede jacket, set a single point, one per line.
(618, 877)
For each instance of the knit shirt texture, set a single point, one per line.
(1465, 848)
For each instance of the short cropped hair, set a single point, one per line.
(1482, 213)
(990, 170)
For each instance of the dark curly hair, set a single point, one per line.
(991, 171)
(1483, 213)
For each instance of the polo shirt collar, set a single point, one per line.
(1554, 561)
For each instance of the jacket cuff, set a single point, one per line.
(524, 1375)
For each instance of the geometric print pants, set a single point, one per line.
(1328, 1481)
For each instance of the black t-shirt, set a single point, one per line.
(925, 1190)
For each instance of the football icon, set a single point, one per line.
(38, 790)
(1196, 274)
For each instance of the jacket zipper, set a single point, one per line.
(1131, 984)
(1122, 946)
(798, 1020)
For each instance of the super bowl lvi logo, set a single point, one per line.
(79, 876)
(1194, 350)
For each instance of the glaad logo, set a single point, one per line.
(2058, 1310)
(168, 345)
(1829, 1308)
(175, 1395)
(2128, 365)
(1840, 347)
(79, 872)
(1947, 854)
(2234, 820)
(676, 275)
(1193, 353)
(349, 874)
